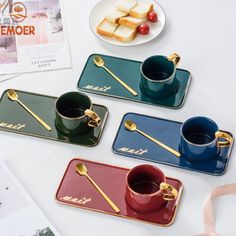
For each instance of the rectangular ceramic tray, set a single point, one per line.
(96, 80)
(134, 145)
(77, 191)
(14, 118)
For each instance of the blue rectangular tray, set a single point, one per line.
(134, 145)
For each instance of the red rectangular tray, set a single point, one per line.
(77, 191)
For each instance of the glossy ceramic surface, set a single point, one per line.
(71, 119)
(143, 193)
(158, 77)
(97, 80)
(198, 141)
(100, 9)
(77, 191)
(13, 118)
(134, 145)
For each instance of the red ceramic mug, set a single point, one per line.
(147, 190)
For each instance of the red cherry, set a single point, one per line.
(152, 16)
(144, 29)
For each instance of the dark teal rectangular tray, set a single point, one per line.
(96, 80)
(15, 119)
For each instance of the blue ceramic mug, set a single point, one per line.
(158, 76)
(201, 139)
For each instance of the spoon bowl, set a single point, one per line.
(130, 125)
(81, 169)
(98, 61)
(12, 95)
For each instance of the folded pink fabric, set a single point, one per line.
(208, 212)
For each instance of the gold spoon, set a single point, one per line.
(12, 95)
(82, 170)
(98, 61)
(131, 126)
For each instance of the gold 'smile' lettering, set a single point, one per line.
(96, 88)
(133, 151)
(12, 126)
(81, 201)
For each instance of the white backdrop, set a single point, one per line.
(204, 34)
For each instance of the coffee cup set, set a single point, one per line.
(155, 81)
(196, 144)
(71, 118)
(143, 192)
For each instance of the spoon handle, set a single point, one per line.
(121, 82)
(159, 143)
(115, 208)
(35, 116)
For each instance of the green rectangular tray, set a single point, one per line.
(96, 80)
(14, 118)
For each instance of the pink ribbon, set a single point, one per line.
(208, 211)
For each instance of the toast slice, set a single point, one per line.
(132, 21)
(126, 5)
(124, 33)
(114, 15)
(106, 28)
(141, 10)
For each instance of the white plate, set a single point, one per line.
(100, 9)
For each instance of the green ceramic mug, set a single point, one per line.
(74, 114)
(158, 76)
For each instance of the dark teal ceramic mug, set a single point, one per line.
(74, 114)
(158, 76)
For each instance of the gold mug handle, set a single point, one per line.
(169, 192)
(223, 135)
(175, 58)
(95, 120)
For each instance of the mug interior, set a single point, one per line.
(199, 130)
(157, 68)
(145, 179)
(72, 104)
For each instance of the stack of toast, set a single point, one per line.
(122, 22)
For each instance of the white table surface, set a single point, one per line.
(204, 34)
